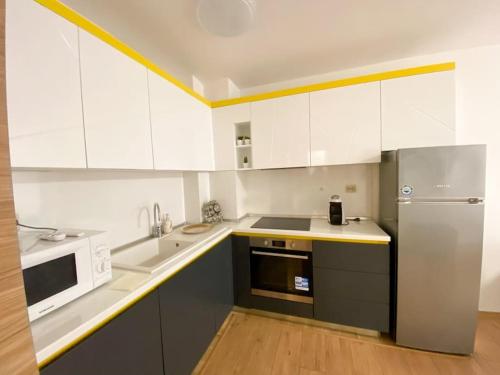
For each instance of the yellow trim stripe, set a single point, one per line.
(265, 235)
(338, 83)
(86, 334)
(72, 16)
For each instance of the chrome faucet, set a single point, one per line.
(157, 221)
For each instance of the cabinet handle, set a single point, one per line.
(280, 255)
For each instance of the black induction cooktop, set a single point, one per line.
(284, 223)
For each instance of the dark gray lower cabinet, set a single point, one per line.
(352, 284)
(222, 256)
(166, 332)
(241, 271)
(193, 305)
(129, 344)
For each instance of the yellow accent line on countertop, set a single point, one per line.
(338, 83)
(122, 309)
(316, 238)
(74, 17)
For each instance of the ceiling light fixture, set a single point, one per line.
(226, 17)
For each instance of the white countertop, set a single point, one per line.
(61, 329)
(364, 230)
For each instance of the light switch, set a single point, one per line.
(350, 188)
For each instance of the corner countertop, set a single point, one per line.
(355, 231)
(56, 332)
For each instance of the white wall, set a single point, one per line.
(227, 188)
(120, 202)
(477, 121)
(306, 191)
(196, 193)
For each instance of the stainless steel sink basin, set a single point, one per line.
(149, 256)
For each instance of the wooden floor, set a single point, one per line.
(257, 345)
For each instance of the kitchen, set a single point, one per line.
(315, 268)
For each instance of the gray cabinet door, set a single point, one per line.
(241, 271)
(351, 256)
(363, 286)
(223, 274)
(194, 304)
(352, 284)
(129, 344)
(187, 320)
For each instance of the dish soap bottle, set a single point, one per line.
(166, 224)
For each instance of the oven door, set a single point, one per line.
(282, 274)
(57, 276)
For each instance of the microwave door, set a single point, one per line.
(50, 278)
(56, 278)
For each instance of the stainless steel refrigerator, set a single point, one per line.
(432, 204)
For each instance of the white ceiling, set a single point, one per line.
(294, 38)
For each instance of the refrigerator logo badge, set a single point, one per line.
(407, 189)
(442, 186)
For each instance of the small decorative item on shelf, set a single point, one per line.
(245, 162)
(239, 141)
(212, 212)
(246, 140)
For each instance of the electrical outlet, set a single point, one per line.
(350, 188)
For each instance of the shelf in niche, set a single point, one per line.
(243, 129)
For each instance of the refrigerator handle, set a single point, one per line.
(474, 200)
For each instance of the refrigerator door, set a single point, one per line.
(441, 173)
(439, 268)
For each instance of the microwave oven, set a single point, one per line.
(56, 273)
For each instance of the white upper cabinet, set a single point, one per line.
(345, 125)
(418, 111)
(115, 106)
(181, 126)
(225, 121)
(280, 132)
(43, 88)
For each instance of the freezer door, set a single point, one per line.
(438, 275)
(448, 172)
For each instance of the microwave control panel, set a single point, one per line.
(101, 259)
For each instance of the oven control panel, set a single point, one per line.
(281, 243)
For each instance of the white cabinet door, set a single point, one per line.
(43, 88)
(345, 125)
(224, 120)
(115, 106)
(280, 132)
(181, 128)
(418, 111)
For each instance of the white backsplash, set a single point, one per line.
(306, 191)
(120, 202)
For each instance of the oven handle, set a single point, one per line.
(280, 255)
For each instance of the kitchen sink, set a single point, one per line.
(150, 255)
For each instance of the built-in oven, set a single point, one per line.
(282, 268)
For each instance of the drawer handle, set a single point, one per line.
(280, 255)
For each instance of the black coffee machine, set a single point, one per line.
(336, 215)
